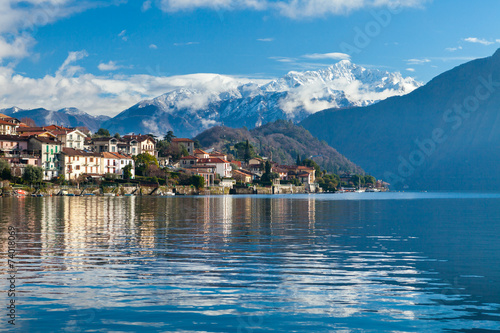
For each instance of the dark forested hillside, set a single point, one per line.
(280, 140)
(443, 136)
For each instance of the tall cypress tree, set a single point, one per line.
(248, 154)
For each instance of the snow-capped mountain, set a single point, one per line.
(70, 117)
(188, 111)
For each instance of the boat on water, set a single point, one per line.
(109, 194)
(372, 190)
(20, 193)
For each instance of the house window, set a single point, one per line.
(77, 167)
(91, 160)
(71, 136)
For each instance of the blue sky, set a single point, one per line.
(105, 56)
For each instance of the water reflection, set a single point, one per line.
(253, 263)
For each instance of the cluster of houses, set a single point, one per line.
(71, 152)
(214, 165)
(67, 151)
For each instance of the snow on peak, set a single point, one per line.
(294, 96)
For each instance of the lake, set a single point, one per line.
(367, 262)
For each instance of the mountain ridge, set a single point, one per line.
(187, 111)
(68, 117)
(440, 135)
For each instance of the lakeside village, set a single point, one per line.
(55, 160)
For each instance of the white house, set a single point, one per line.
(222, 167)
(48, 150)
(75, 163)
(71, 138)
(113, 163)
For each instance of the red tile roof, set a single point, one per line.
(77, 152)
(212, 160)
(199, 151)
(181, 140)
(189, 157)
(3, 122)
(139, 138)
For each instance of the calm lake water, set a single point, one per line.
(393, 262)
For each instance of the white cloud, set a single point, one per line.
(27, 16)
(153, 46)
(417, 61)
(146, 5)
(284, 59)
(123, 35)
(453, 49)
(290, 8)
(410, 69)
(16, 48)
(182, 5)
(334, 56)
(110, 66)
(107, 95)
(186, 44)
(478, 41)
(265, 39)
(66, 69)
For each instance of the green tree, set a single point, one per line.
(268, 175)
(127, 171)
(298, 159)
(33, 174)
(142, 162)
(370, 180)
(358, 180)
(163, 148)
(311, 164)
(117, 136)
(102, 132)
(5, 172)
(198, 181)
(184, 152)
(248, 152)
(329, 182)
(169, 136)
(267, 167)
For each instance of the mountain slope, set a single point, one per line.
(443, 136)
(281, 140)
(188, 111)
(69, 117)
